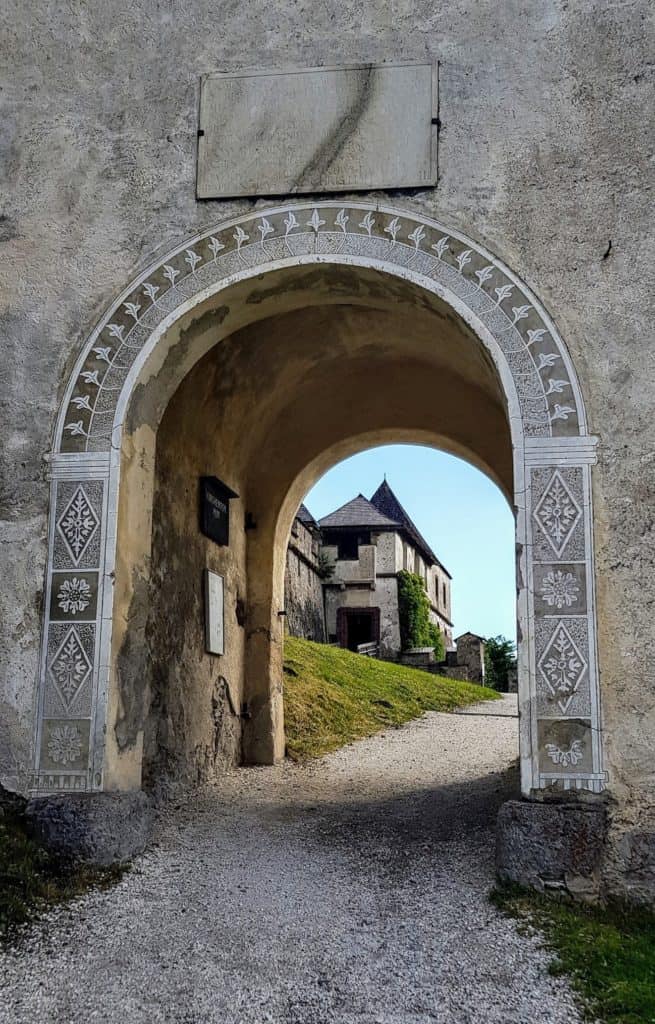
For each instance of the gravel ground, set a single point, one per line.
(353, 890)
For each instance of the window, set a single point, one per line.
(347, 542)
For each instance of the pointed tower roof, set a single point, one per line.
(358, 513)
(386, 502)
(305, 516)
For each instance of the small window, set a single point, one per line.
(348, 547)
(347, 542)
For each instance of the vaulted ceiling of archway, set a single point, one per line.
(333, 360)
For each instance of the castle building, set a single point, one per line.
(354, 555)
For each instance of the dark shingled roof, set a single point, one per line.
(386, 502)
(305, 516)
(358, 512)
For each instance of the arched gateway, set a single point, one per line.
(149, 341)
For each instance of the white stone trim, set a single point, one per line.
(78, 465)
(561, 451)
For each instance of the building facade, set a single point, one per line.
(357, 552)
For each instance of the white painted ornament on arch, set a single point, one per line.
(562, 667)
(77, 525)
(393, 240)
(559, 589)
(74, 596)
(557, 513)
(70, 667)
(566, 758)
(64, 744)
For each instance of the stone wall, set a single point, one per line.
(303, 588)
(544, 156)
(378, 588)
(185, 702)
(470, 655)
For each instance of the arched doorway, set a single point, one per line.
(359, 324)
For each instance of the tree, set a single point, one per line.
(499, 658)
(326, 567)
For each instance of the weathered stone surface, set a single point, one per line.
(551, 845)
(418, 657)
(99, 176)
(11, 803)
(98, 828)
(629, 868)
(316, 130)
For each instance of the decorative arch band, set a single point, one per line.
(442, 260)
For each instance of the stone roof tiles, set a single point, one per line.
(386, 502)
(358, 513)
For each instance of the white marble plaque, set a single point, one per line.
(214, 617)
(318, 130)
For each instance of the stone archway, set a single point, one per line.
(552, 459)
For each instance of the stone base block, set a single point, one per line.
(417, 657)
(630, 871)
(552, 846)
(96, 828)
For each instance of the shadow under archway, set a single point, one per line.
(268, 409)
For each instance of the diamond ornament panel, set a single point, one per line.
(562, 667)
(77, 525)
(69, 668)
(557, 513)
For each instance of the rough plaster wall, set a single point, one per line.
(388, 557)
(331, 605)
(386, 597)
(192, 729)
(544, 155)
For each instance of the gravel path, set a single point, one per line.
(353, 891)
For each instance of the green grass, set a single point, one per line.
(608, 953)
(32, 879)
(332, 697)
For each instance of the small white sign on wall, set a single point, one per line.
(214, 613)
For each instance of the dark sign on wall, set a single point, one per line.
(215, 509)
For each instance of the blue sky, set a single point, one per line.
(459, 511)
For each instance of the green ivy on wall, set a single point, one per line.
(416, 630)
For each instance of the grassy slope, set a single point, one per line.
(608, 953)
(332, 696)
